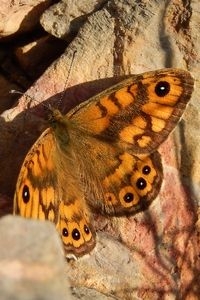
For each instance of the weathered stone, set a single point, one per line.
(32, 265)
(18, 18)
(36, 55)
(159, 257)
(65, 18)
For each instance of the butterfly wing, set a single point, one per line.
(36, 196)
(39, 195)
(131, 186)
(119, 132)
(138, 113)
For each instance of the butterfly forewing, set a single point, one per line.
(36, 196)
(140, 112)
(39, 195)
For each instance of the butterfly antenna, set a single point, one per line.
(62, 94)
(67, 80)
(30, 97)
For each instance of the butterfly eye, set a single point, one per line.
(141, 183)
(86, 229)
(25, 194)
(65, 232)
(128, 197)
(146, 170)
(162, 88)
(76, 234)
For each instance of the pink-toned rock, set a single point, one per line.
(158, 253)
(32, 265)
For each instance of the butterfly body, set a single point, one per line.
(102, 156)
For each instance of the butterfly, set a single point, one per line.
(102, 156)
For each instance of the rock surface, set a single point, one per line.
(66, 17)
(32, 265)
(17, 17)
(158, 253)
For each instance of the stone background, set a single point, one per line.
(154, 254)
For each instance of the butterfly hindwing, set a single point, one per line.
(117, 182)
(133, 185)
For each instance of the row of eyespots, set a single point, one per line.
(140, 183)
(129, 196)
(76, 235)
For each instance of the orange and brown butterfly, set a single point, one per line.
(102, 156)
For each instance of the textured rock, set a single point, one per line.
(33, 57)
(32, 265)
(159, 257)
(89, 294)
(20, 16)
(66, 17)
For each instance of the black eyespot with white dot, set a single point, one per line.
(65, 232)
(146, 170)
(128, 197)
(76, 234)
(25, 194)
(162, 88)
(141, 183)
(86, 229)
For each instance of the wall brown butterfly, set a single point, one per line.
(102, 156)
